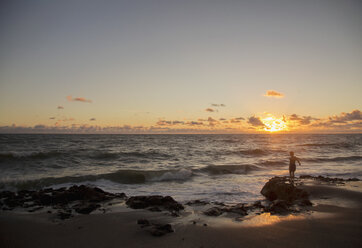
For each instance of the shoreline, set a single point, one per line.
(334, 220)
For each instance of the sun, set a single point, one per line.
(273, 124)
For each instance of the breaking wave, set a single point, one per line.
(105, 155)
(29, 155)
(229, 169)
(121, 177)
(334, 159)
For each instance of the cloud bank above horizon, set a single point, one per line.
(350, 122)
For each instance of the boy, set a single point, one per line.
(292, 165)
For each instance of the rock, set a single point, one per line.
(86, 208)
(281, 189)
(214, 211)
(328, 179)
(12, 203)
(196, 202)
(143, 222)
(304, 202)
(121, 195)
(64, 215)
(166, 202)
(237, 209)
(174, 214)
(161, 229)
(353, 179)
(154, 209)
(6, 194)
(35, 209)
(279, 207)
(306, 177)
(257, 204)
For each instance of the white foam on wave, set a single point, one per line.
(180, 175)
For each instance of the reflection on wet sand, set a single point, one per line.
(268, 219)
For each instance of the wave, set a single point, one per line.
(273, 163)
(29, 155)
(146, 154)
(229, 169)
(121, 177)
(334, 159)
(255, 152)
(337, 145)
(93, 154)
(104, 155)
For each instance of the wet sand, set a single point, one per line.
(335, 220)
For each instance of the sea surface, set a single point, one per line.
(222, 168)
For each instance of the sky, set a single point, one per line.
(181, 66)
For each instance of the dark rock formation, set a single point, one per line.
(64, 215)
(279, 207)
(86, 208)
(279, 188)
(196, 202)
(240, 209)
(143, 222)
(161, 229)
(284, 196)
(166, 202)
(87, 198)
(329, 179)
(214, 211)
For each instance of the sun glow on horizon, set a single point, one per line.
(273, 124)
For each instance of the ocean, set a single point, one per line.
(218, 168)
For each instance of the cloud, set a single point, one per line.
(169, 123)
(68, 119)
(218, 105)
(177, 122)
(210, 110)
(273, 93)
(39, 126)
(60, 107)
(92, 119)
(345, 117)
(163, 123)
(212, 121)
(236, 120)
(344, 120)
(194, 123)
(78, 99)
(302, 120)
(255, 121)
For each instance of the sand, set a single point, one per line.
(335, 220)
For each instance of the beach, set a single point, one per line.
(334, 220)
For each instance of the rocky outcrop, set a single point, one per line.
(279, 188)
(284, 196)
(86, 199)
(240, 209)
(329, 179)
(165, 202)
